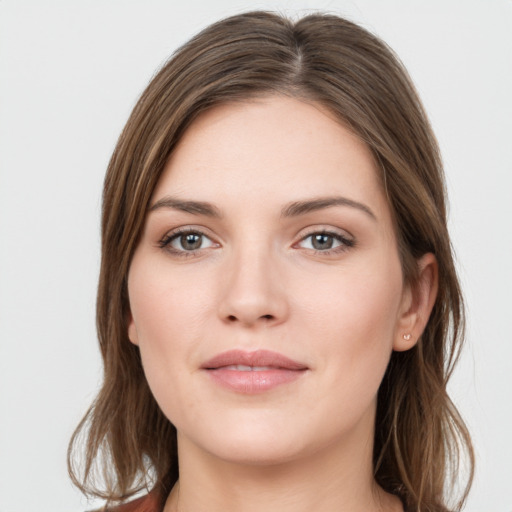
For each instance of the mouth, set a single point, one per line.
(253, 372)
(244, 368)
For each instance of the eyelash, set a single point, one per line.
(165, 243)
(345, 242)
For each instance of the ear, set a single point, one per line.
(133, 335)
(417, 303)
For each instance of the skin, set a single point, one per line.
(256, 281)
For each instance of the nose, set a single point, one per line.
(253, 290)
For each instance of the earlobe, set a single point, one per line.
(133, 335)
(417, 304)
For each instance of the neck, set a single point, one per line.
(325, 481)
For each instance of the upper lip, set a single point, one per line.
(255, 358)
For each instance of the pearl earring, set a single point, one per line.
(407, 337)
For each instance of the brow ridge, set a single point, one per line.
(294, 209)
(193, 207)
(297, 208)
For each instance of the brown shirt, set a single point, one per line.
(148, 503)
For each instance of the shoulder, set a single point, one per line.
(148, 503)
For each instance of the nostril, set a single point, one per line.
(233, 318)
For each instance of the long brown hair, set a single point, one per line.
(419, 435)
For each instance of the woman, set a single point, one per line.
(278, 309)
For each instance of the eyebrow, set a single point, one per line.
(193, 207)
(293, 209)
(302, 207)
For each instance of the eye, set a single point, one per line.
(186, 241)
(325, 241)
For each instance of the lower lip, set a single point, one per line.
(251, 382)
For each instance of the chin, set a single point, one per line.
(246, 442)
(250, 453)
(258, 443)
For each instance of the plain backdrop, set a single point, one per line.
(70, 72)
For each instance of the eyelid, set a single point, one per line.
(326, 229)
(165, 241)
(346, 239)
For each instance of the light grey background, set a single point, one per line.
(70, 73)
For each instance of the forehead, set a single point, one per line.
(273, 148)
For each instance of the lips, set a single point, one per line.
(253, 372)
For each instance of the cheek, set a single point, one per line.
(165, 306)
(340, 319)
(354, 301)
(167, 317)
(352, 316)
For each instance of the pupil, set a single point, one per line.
(322, 242)
(191, 241)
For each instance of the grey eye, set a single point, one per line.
(190, 241)
(321, 241)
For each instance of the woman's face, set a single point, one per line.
(266, 291)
